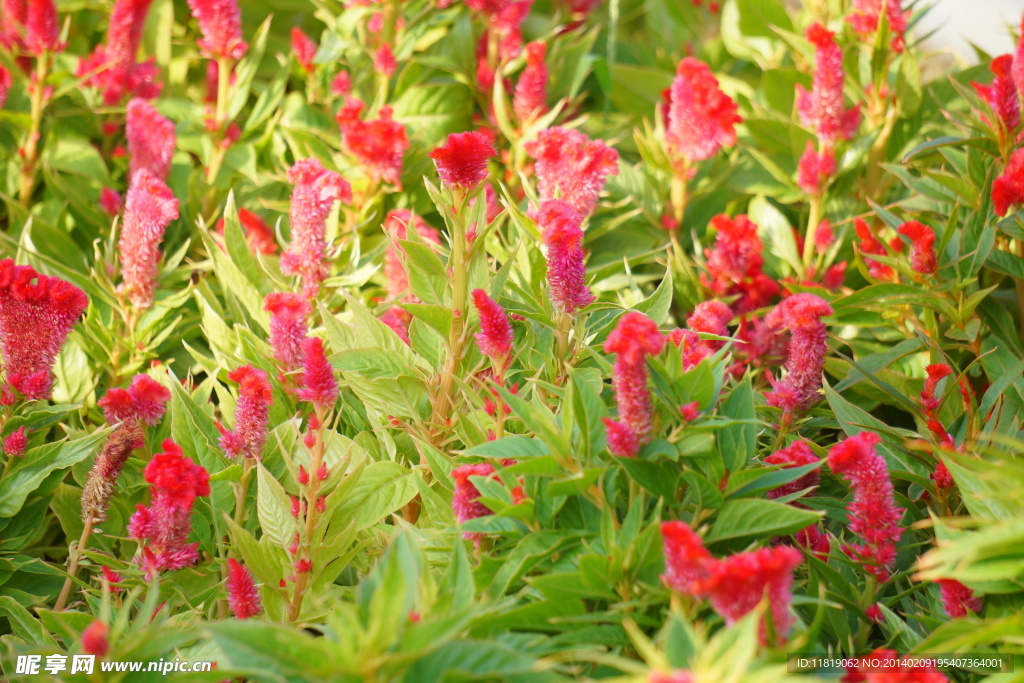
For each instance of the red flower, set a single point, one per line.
(384, 61)
(42, 28)
(869, 244)
(814, 169)
(907, 670)
(144, 400)
(873, 513)
(243, 595)
(316, 190)
(378, 144)
(151, 140)
(319, 386)
(304, 49)
(1002, 94)
(634, 338)
(1018, 61)
(802, 314)
(563, 237)
(922, 246)
(701, 118)
(796, 454)
(149, 209)
(824, 237)
(621, 439)
(1008, 188)
(462, 160)
(112, 67)
(111, 201)
(530, 99)
(5, 84)
(94, 639)
(866, 14)
(36, 314)
(941, 476)
(734, 264)
(686, 559)
(342, 84)
(572, 167)
(221, 24)
(466, 500)
(958, 599)
(679, 676)
(251, 411)
(289, 313)
(12, 23)
(709, 317)
(15, 443)
(495, 335)
(258, 235)
(823, 107)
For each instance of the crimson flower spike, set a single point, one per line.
(801, 314)
(562, 235)
(254, 400)
(572, 167)
(149, 209)
(220, 22)
(289, 313)
(112, 67)
(316, 189)
(462, 160)
(634, 338)
(151, 139)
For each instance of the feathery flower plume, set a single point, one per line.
(384, 61)
(634, 338)
(909, 670)
(866, 14)
(1002, 94)
(36, 314)
(1018, 60)
(686, 558)
(869, 244)
(164, 526)
(258, 235)
(289, 313)
(254, 399)
(112, 67)
(563, 237)
(958, 599)
(823, 107)
(15, 443)
(42, 28)
(572, 167)
(378, 144)
(495, 335)
(342, 84)
(679, 676)
(802, 314)
(243, 595)
(304, 49)
(221, 24)
(12, 23)
(873, 513)
(815, 169)
(796, 454)
(94, 639)
(701, 118)
(151, 140)
(734, 264)
(530, 98)
(621, 439)
(922, 246)
(149, 209)
(1008, 188)
(709, 317)
(319, 386)
(462, 160)
(316, 190)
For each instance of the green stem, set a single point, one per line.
(38, 105)
(224, 67)
(812, 226)
(73, 557)
(312, 516)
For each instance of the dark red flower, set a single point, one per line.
(243, 595)
(1008, 188)
(734, 264)
(958, 599)
(94, 639)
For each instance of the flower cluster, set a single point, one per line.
(734, 264)
(151, 140)
(316, 190)
(709, 317)
(801, 314)
(563, 237)
(221, 24)
(254, 399)
(379, 144)
(957, 599)
(867, 15)
(823, 107)
(149, 209)
(243, 595)
(112, 67)
(289, 313)
(700, 118)
(462, 160)
(571, 167)
(530, 99)
(634, 338)
(319, 385)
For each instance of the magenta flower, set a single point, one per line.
(112, 67)
(94, 639)
(316, 190)
(243, 595)
(563, 237)
(621, 439)
(319, 385)
(12, 23)
(823, 108)
(815, 169)
(709, 317)
(42, 28)
(151, 140)
(1008, 188)
(866, 15)
(495, 335)
(149, 209)
(530, 98)
(922, 246)
(1018, 61)
(462, 160)
(220, 22)
(958, 599)
(111, 201)
(802, 314)
(572, 167)
(701, 119)
(634, 338)
(379, 144)
(1002, 94)
(304, 49)
(289, 314)
(254, 400)
(384, 61)
(15, 443)
(686, 559)
(466, 500)
(734, 264)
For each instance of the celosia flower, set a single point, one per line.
(911, 669)
(319, 386)
(530, 98)
(942, 477)
(958, 599)
(796, 454)
(823, 107)
(145, 400)
(164, 526)
(12, 23)
(221, 24)
(709, 317)
(151, 140)
(563, 237)
(42, 28)
(686, 558)
(922, 246)
(815, 169)
(342, 84)
(289, 313)
(634, 338)
(243, 595)
(869, 244)
(304, 49)
(701, 118)
(149, 209)
(112, 67)
(94, 639)
(1008, 188)
(316, 190)
(466, 500)
(495, 335)
(5, 85)
(814, 541)
(690, 411)
(1018, 60)
(378, 144)
(112, 578)
(873, 513)
(824, 236)
(384, 61)
(36, 314)
(802, 314)
(111, 201)
(258, 235)
(736, 585)
(936, 373)
(462, 160)
(866, 14)
(15, 443)
(1002, 94)
(254, 399)
(621, 439)
(734, 264)
(572, 167)
(507, 27)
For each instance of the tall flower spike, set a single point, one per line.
(12, 23)
(734, 264)
(151, 140)
(462, 160)
(1008, 188)
(1018, 61)
(701, 118)
(1002, 94)
(865, 16)
(634, 338)
(873, 513)
(802, 314)
(922, 246)
(316, 190)
(378, 144)
(112, 67)
(815, 169)
(304, 49)
(254, 400)
(163, 527)
(42, 28)
(823, 107)
(572, 167)
(495, 335)
(319, 386)
(289, 313)
(686, 558)
(621, 439)
(563, 238)
(36, 314)
(243, 595)
(15, 443)
(958, 599)
(530, 99)
(149, 209)
(220, 22)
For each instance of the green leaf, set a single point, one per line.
(755, 517)
(273, 507)
(383, 487)
(29, 471)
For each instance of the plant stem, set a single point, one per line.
(312, 516)
(73, 557)
(31, 149)
(224, 67)
(241, 490)
(445, 403)
(813, 218)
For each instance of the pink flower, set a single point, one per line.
(384, 61)
(796, 454)
(151, 140)
(164, 526)
(873, 513)
(572, 167)
(495, 335)
(709, 317)
(94, 639)
(145, 400)
(12, 23)
(823, 107)
(243, 595)
(942, 477)
(679, 676)
(112, 67)
(701, 118)
(621, 439)
(304, 49)
(378, 144)
(815, 170)
(36, 314)
(111, 201)
(316, 190)
(15, 443)
(342, 84)
(1018, 61)
(1008, 188)
(530, 99)
(42, 28)
(734, 264)
(466, 500)
(319, 385)
(149, 209)
(221, 24)
(1002, 94)
(922, 246)
(254, 400)
(5, 85)
(958, 599)
(563, 237)
(634, 338)
(802, 314)
(686, 559)
(289, 313)
(866, 14)
(462, 160)
(907, 670)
